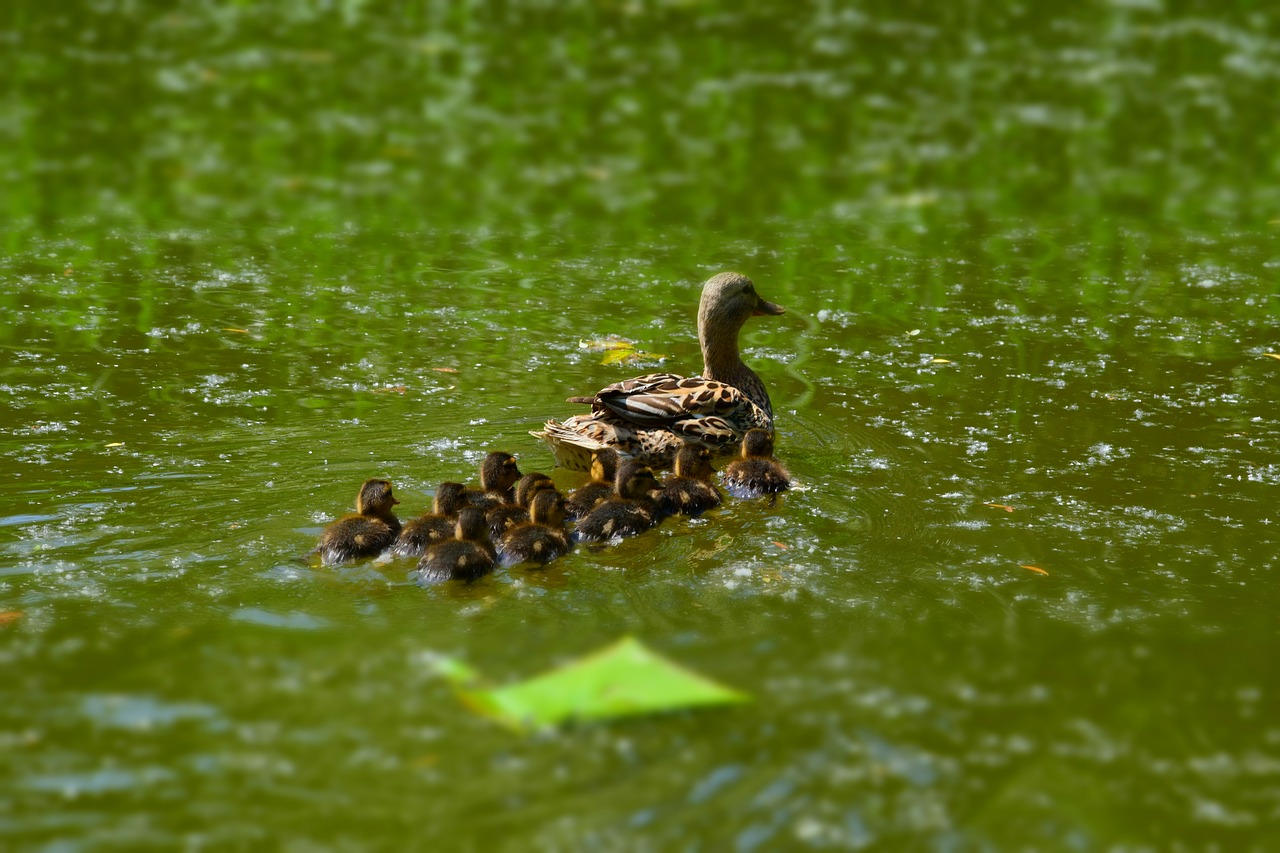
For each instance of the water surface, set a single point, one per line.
(1030, 271)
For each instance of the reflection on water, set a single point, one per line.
(262, 252)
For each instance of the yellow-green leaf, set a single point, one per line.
(623, 680)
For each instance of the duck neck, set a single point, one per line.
(723, 363)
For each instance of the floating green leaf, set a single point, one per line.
(623, 680)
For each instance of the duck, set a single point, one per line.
(604, 468)
(650, 417)
(690, 491)
(434, 526)
(756, 473)
(542, 538)
(508, 515)
(629, 512)
(498, 473)
(467, 557)
(367, 533)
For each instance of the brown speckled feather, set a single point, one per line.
(649, 417)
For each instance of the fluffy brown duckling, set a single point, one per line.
(498, 473)
(690, 491)
(368, 532)
(503, 518)
(435, 526)
(467, 557)
(604, 470)
(756, 473)
(629, 511)
(542, 538)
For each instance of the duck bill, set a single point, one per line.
(768, 308)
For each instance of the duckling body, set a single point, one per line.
(467, 557)
(498, 473)
(367, 533)
(504, 517)
(436, 526)
(690, 491)
(648, 418)
(542, 538)
(756, 473)
(629, 512)
(604, 469)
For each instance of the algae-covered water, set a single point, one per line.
(1024, 597)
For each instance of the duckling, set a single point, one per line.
(468, 557)
(542, 538)
(498, 473)
(365, 534)
(690, 491)
(629, 512)
(435, 526)
(604, 468)
(756, 473)
(506, 516)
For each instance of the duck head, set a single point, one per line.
(757, 443)
(471, 526)
(728, 299)
(547, 508)
(498, 472)
(450, 497)
(604, 465)
(693, 461)
(529, 486)
(375, 498)
(635, 481)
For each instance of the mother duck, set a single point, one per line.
(650, 417)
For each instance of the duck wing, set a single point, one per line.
(674, 402)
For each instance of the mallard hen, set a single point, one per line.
(650, 417)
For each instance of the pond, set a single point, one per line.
(1024, 592)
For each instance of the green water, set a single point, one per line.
(256, 253)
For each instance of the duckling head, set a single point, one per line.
(529, 486)
(604, 465)
(450, 497)
(756, 443)
(547, 508)
(375, 498)
(635, 481)
(693, 461)
(498, 472)
(471, 526)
